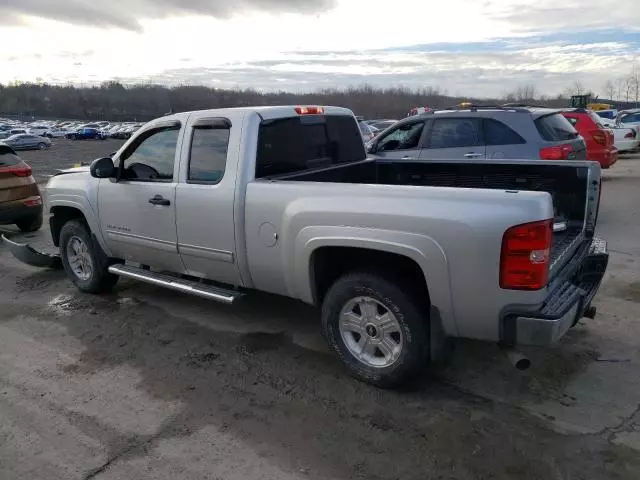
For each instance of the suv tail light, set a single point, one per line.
(17, 170)
(631, 134)
(560, 152)
(599, 136)
(524, 260)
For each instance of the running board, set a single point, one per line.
(177, 284)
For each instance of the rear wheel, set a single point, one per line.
(83, 259)
(42, 146)
(379, 331)
(30, 224)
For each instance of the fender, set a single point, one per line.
(422, 249)
(82, 204)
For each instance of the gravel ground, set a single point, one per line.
(65, 153)
(151, 384)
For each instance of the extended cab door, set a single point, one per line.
(402, 141)
(138, 211)
(205, 197)
(454, 138)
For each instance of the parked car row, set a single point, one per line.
(69, 129)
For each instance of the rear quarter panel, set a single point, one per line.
(454, 235)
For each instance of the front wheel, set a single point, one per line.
(42, 146)
(379, 331)
(83, 259)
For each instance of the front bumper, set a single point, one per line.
(27, 254)
(567, 302)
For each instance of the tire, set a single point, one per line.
(30, 224)
(410, 315)
(42, 146)
(97, 279)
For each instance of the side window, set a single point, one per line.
(208, 155)
(405, 137)
(572, 120)
(456, 133)
(497, 133)
(152, 156)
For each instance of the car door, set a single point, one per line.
(454, 138)
(205, 198)
(403, 141)
(502, 141)
(137, 210)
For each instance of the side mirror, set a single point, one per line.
(372, 147)
(102, 168)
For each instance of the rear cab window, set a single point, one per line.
(295, 144)
(555, 127)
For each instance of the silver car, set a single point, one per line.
(26, 141)
(482, 133)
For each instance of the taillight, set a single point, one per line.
(559, 152)
(631, 134)
(524, 260)
(599, 136)
(18, 171)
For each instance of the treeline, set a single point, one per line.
(117, 102)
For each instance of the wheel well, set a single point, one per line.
(60, 216)
(330, 263)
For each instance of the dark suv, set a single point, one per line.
(482, 133)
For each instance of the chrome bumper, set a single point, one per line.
(567, 302)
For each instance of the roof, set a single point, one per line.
(267, 112)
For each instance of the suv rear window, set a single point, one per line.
(555, 128)
(294, 144)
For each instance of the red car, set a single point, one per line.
(598, 138)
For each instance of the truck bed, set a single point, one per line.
(568, 184)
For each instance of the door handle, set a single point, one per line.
(159, 200)
(473, 155)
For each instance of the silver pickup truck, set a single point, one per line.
(399, 255)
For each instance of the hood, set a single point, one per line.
(82, 169)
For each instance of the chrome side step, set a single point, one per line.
(177, 284)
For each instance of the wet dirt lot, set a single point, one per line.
(151, 384)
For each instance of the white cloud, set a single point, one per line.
(258, 49)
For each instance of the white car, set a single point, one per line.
(55, 133)
(37, 130)
(625, 138)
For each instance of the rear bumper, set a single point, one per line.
(606, 158)
(10, 212)
(566, 303)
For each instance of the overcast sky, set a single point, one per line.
(468, 47)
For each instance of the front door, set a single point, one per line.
(401, 142)
(138, 212)
(205, 198)
(455, 138)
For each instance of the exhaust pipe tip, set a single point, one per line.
(519, 360)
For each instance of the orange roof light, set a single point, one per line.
(309, 110)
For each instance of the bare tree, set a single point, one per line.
(577, 88)
(634, 78)
(610, 90)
